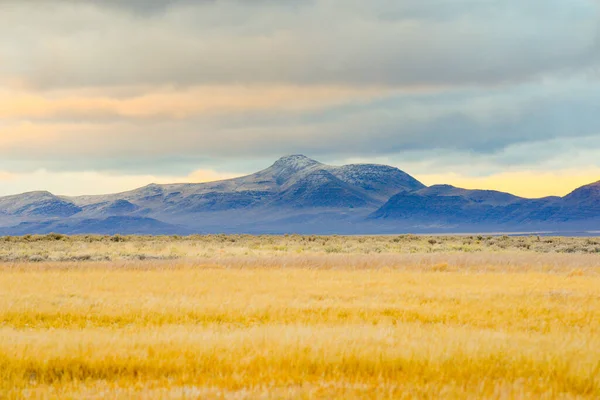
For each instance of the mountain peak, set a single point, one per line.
(295, 161)
(289, 166)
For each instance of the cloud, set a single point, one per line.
(516, 126)
(160, 88)
(168, 102)
(330, 42)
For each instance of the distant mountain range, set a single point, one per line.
(300, 195)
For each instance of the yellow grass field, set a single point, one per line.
(220, 319)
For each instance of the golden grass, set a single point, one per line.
(447, 325)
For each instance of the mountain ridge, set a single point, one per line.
(299, 194)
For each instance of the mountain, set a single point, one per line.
(291, 182)
(37, 204)
(445, 204)
(107, 226)
(448, 206)
(299, 194)
(581, 204)
(294, 192)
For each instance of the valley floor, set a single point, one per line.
(299, 317)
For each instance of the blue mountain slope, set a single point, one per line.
(107, 226)
(38, 204)
(581, 204)
(444, 204)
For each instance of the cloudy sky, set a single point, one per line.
(101, 96)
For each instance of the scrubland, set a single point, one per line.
(299, 317)
(56, 247)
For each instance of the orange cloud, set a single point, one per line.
(175, 103)
(26, 132)
(4, 176)
(204, 175)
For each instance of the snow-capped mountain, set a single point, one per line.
(292, 181)
(295, 187)
(299, 194)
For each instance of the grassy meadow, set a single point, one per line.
(299, 317)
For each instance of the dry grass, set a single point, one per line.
(310, 324)
(62, 248)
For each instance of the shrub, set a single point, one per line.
(55, 236)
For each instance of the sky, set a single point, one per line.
(101, 96)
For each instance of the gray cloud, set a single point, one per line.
(493, 124)
(502, 78)
(346, 42)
